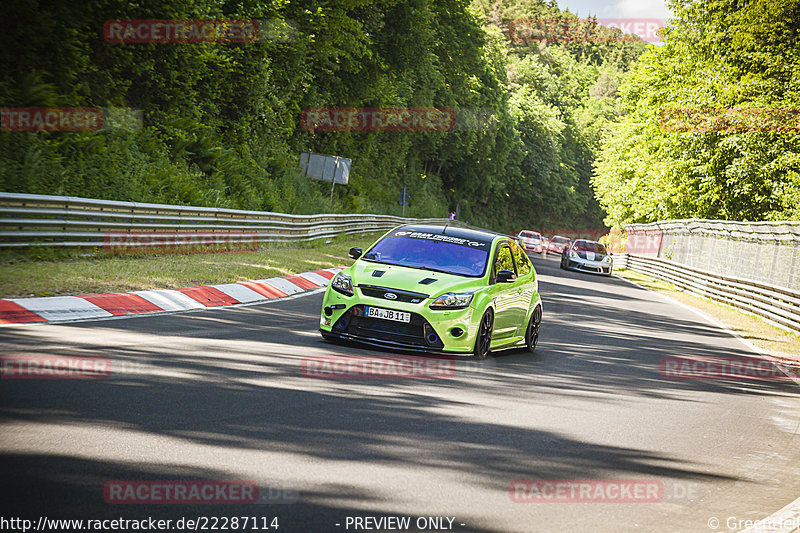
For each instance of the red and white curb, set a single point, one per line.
(96, 306)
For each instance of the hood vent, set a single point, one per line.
(427, 281)
(378, 273)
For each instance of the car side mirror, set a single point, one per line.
(506, 276)
(355, 253)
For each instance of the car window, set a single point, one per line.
(590, 246)
(522, 262)
(430, 254)
(503, 260)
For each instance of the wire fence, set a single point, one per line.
(766, 252)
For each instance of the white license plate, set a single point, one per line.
(387, 314)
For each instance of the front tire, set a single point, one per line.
(534, 326)
(483, 339)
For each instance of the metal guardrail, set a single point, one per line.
(777, 304)
(66, 221)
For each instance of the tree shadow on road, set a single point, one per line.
(233, 379)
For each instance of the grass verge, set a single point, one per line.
(772, 339)
(24, 275)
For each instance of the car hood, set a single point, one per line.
(409, 279)
(595, 256)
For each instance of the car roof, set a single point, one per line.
(455, 231)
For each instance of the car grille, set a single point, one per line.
(586, 268)
(402, 296)
(417, 332)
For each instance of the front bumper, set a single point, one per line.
(379, 343)
(585, 265)
(427, 332)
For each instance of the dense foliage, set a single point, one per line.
(221, 120)
(718, 55)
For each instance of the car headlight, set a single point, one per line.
(452, 300)
(343, 284)
(607, 259)
(573, 254)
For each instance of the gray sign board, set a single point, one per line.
(325, 167)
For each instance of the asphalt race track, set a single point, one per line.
(225, 394)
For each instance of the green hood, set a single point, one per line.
(406, 278)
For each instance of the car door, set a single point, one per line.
(504, 294)
(523, 289)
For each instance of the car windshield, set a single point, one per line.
(530, 235)
(589, 246)
(430, 255)
(560, 240)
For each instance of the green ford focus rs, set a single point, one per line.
(438, 289)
